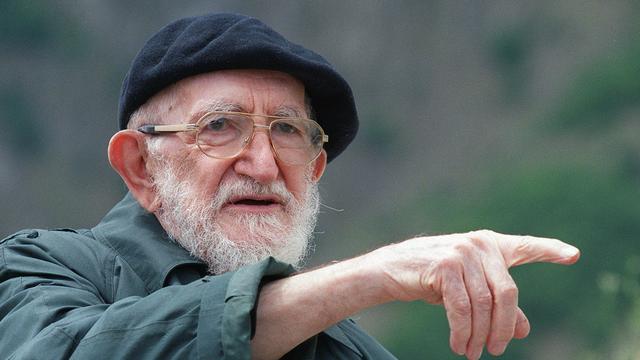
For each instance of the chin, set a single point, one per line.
(252, 228)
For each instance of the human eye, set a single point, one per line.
(221, 129)
(218, 123)
(285, 128)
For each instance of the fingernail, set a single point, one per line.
(569, 251)
(458, 349)
(479, 354)
(498, 348)
(475, 355)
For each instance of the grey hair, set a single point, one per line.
(152, 112)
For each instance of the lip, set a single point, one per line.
(243, 203)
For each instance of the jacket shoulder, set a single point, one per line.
(63, 242)
(67, 253)
(34, 234)
(65, 246)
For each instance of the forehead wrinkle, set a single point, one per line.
(250, 91)
(204, 107)
(225, 105)
(221, 105)
(287, 111)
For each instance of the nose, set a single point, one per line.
(258, 160)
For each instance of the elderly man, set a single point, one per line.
(226, 128)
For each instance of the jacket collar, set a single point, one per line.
(139, 239)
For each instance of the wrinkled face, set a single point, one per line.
(231, 212)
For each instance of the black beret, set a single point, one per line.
(201, 44)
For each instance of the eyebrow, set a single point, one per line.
(220, 105)
(223, 105)
(288, 111)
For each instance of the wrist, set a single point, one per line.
(357, 283)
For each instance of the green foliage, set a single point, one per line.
(601, 93)
(420, 332)
(509, 51)
(381, 135)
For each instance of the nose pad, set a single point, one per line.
(267, 133)
(257, 138)
(266, 129)
(258, 160)
(247, 142)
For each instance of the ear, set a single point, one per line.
(128, 156)
(319, 165)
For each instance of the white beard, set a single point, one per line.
(192, 221)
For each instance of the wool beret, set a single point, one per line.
(211, 42)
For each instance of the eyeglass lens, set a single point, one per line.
(295, 141)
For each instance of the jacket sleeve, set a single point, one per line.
(49, 309)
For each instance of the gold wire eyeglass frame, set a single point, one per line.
(198, 125)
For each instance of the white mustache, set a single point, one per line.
(246, 187)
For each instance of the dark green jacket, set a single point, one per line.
(123, 290)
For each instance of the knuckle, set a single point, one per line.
(507, 294)
(451, 262)
(463, 248)
(460, 307)
(484, 301)
(483, 233)
(524, 246)
(481, 239)
(503, 335)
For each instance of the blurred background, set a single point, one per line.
(518, 116)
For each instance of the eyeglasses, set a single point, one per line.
(224, 135)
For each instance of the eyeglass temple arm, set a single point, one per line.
(158, 129)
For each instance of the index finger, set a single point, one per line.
(525, 249)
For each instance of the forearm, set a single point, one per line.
(467, 273)
(294, 309)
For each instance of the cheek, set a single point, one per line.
(297, 180)
(207, 173)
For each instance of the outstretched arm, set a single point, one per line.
(467, 273)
